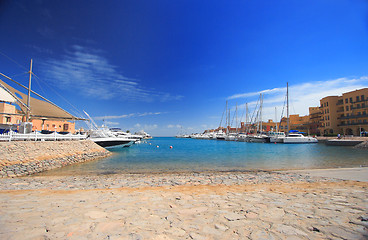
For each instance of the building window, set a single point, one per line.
(360, 121)
(328, 117)
(364, 120)
(327, 104)
(358, 105)
(359, 113)
(7, 119)
(351, 100)
(347, 108)
(363, 105)
(362, 97)
(328, 110)
(364, 113)
(66, 127)
(347, 114)
(357, 97)
(346, 100)
(351, 107)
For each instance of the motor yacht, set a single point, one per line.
(299, 138)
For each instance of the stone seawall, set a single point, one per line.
(25, 158)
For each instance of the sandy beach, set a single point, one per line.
(209, 205)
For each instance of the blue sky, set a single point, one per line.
(169, 66)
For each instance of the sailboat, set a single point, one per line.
(295, 137)
(259, 137)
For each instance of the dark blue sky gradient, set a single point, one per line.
(185, 57)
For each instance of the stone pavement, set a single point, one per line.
(258, 206)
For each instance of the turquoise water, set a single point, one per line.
(209, 155)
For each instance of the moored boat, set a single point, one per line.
(299, 138)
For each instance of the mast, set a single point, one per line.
(229, 124)
(236, 118)
(227, 121)
(261, 112)
(29, 94)
(287, 107)
(246, 117)
(276, 119)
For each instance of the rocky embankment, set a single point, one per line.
(25, 158)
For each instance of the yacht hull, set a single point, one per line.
(111, 142)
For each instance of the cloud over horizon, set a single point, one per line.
(129, 115)
(301, 96)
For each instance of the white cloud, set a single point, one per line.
(128, 115)
(174, 126)
(88, 71)
(112, 123)
(301, 96)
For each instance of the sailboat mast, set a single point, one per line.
(236, 118)
(246, 117)
(261, 112)
(276, 119)
(287, 107)
(29, 94)
(227, 124)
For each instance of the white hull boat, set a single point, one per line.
(299, 138)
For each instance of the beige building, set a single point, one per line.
(346, 114)
(314, 120)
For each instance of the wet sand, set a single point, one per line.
(207, 205)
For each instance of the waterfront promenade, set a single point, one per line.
(207, 205)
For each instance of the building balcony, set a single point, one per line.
(352, 124)
(354, 116)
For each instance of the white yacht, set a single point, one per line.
(119, 133)
(220, 135)
(299, 138)
(276, 137)
(258, 138)
(105, 138)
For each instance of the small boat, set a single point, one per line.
(258, 138)
(299, 138)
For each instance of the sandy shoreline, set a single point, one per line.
(210, 205)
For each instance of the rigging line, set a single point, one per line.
(13, 60)
(37, 78)
(222, 116)
(243, 115)
(76, 109)
(16, 75)
(232, 121)
(283, 108)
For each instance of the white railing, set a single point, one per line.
(36, 136)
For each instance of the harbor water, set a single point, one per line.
(155, 155)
